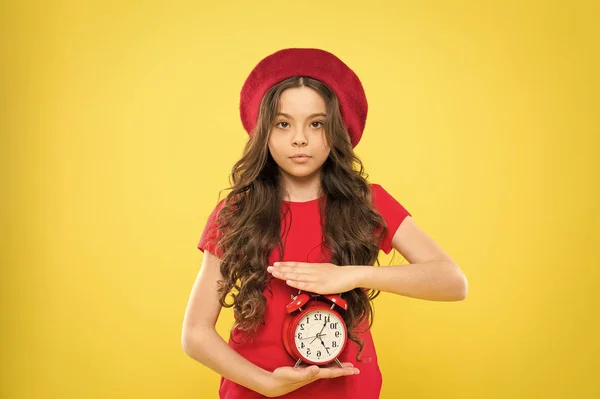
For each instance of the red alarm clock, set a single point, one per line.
(313, 331)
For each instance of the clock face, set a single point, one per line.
(320, 336)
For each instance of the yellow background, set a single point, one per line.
(120, 125)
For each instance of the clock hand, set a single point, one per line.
(324, 324)
(324, 346)
(316, 336)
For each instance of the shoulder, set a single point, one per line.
(211, 223)
(379, 195)
(392, 211)
(377, 188)
(217, 208)
(386, 203)
(374, 186)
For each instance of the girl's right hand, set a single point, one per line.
(287, 379)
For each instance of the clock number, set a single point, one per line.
(337, 334)
(299, 335)
(327, 319)
(333, 326)
(308, 352)
(302, 345)
(307, 320)
(302, 327)
(318, 353)
(334, 344)
(318, 316)
(327, 349)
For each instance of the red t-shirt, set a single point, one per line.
(302, 236)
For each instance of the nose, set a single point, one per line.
(299, 138)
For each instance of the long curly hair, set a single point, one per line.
(250, 217)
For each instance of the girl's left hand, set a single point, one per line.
(319, 278)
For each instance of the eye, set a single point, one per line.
(320, 124)
(279, 123)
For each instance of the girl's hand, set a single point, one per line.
(287, 379)
(320, 278)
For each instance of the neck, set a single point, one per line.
(300, 189)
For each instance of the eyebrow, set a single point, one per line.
(291, 117)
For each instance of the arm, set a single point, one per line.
(201, 341)
(431, 274)
(437, 280)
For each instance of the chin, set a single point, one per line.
(299, 174)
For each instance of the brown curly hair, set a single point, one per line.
(250, 217)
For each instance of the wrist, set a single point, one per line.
(266, 384)
(358, 276)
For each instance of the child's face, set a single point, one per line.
(299, 131)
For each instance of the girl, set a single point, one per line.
(302, 216)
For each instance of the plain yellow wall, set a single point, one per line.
(120, 125)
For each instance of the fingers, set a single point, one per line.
(306, 373)
(301, 267)
(295, 375)
(335, 365)
(312, 287)
(288, 269)
(284, 273)
(291, 264)
(345, 364)
(301, 285)
(312, 371)
(329, 371)
(334, 372)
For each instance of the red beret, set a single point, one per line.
(314, 63)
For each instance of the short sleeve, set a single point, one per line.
(211, 234)
(392, 212)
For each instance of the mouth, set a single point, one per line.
(300, 158)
